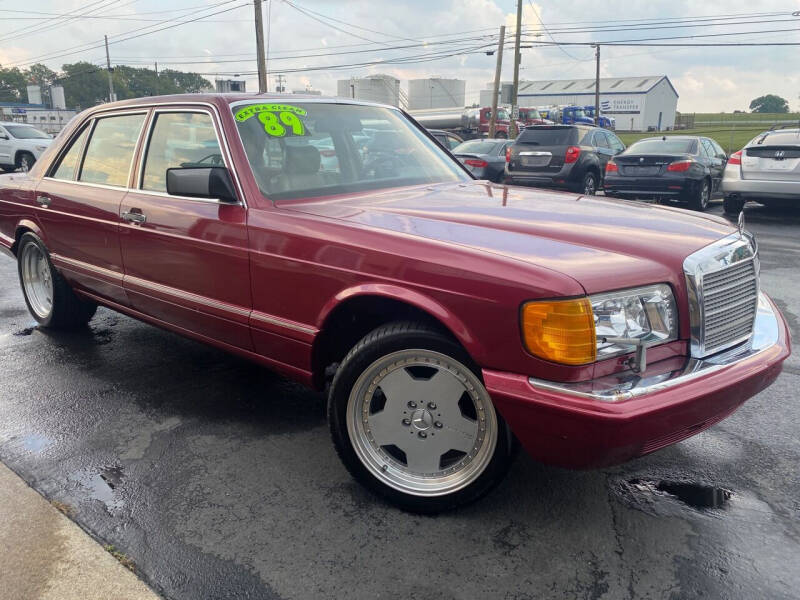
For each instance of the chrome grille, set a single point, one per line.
(723, 294)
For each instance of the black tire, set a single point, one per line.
(732, 205)
(702, 198)
(385, 340)
(25, 160)
(68, 311)
(8, 168)
(501, 135)
(588, 184)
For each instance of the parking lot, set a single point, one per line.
(219, 480)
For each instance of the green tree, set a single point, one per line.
(12, 85)
(186, 83)
(84, 84)
(769, 104)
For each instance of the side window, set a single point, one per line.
(452, 142)
(110, 152)
(179, 140)
(613, 141)
(600, 140)
(708, 149)
(69, 162)
(720, 153)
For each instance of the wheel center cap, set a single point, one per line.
(421, 419)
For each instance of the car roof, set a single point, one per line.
(218, 99)
(673, 137)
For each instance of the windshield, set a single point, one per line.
(578, 113)
(502, 114)
(302, 150)
(659, 146)
(26, 132)
(477, 147)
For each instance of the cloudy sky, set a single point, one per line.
(316, 42)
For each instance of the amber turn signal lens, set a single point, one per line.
(562, 331)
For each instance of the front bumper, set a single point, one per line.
(613, 419)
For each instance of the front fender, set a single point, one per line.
(413, 298)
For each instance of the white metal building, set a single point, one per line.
(436, 92)
(384, 89)
(637, 103)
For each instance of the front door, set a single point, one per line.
(186, 259)
(6, 156)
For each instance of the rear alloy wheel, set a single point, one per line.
(49, 298)
(732, 205)
(414, 423)
(588, 186)
(700, 200)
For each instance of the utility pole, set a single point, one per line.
(597, 85)
(280, 79)
(155, 91)
(111, 95)
(262, 62)
(512, 129)
(496, 88)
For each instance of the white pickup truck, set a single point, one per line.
(21, 145)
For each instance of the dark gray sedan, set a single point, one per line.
(486, 158)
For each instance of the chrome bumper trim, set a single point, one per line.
(627, 385)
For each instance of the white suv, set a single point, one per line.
(21, 145)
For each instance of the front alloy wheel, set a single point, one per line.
(413, 422)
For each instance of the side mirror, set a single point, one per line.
(201, 182)
(3, 136)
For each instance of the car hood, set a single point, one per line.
(602, 243)
(34, 142)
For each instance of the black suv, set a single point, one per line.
(561, 156)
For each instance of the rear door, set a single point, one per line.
(602, 148)
(78, 202)
(775, 156)
(186, 259)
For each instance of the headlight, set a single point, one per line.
(647, 314)
(574, 332)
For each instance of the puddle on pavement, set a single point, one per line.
(35, 443)
(102, 485)
(696, 495)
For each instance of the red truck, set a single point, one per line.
(448, 319)
(468, 123)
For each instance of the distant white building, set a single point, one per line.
(637, 103)
(230, 86)
(384, 89)
(436, 92)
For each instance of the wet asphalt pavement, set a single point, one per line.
(219, 480)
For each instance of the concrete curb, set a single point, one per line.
(45, 556)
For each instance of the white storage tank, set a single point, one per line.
(57, 97)
(436, 92)
(383, 89)
(34, 94)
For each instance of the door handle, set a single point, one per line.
(43, 201)
(134, 216)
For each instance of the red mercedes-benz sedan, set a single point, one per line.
(336, 242)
